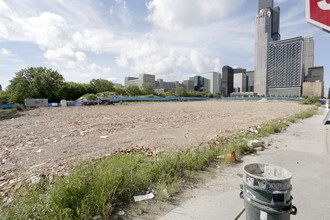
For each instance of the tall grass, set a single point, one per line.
(92, 186)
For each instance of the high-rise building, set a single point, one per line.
(267, 30)
(308, 54)
(188, 84)
(281, 66)
(214, 81)
(239, 79)
(285, 67)
(250, 81)
(227, 84)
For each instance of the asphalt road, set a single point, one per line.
(303, 149)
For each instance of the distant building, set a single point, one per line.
(214, 81)
(267, 30)
(315, 73)
(227, 84)
(200, 83)
(118, 85)
(313, 85)
(281, 66)
(132, 81)
(329, 93)
(142, 79)
(308, 54)
(285, 67)
(239, 79)
(188, 84)
(250, 81)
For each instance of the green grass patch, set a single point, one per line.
(90, 187)
(311, 101)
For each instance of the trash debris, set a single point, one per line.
(231, 155)
(255, 143)
(39, 151)
(104, 137)
(154, 191)
(110, 209)
(36, 180)
(165, 193)
(143, 197)
(38, 165)
(121, 213)
(97, 217)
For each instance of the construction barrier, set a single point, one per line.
(136, 99)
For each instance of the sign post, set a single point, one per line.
(318, 13)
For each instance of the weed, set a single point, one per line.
(311, 100)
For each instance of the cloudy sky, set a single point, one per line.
(111, 39)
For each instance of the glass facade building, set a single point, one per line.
(285, 67)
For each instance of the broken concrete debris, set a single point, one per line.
(255, 143)
(144, 197)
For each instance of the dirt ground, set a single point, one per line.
(42, 141)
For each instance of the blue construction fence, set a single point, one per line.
(137, 99)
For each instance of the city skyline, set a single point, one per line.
(114, 39)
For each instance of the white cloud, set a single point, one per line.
(177, 15)
(122, 60)
(47, 30)
(6, 52)
(98, 70)
(112, 79)
(122, 11)
(85, 75)
(280, 1)
(66, 57)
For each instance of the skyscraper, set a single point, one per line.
(281, 66)
(227, 84)
(285, 67)
(267, 30)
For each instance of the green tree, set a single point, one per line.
(35, 82)
(102, 85)
(147, 89)
(4, 96)
(73, 91)
(133, 90)
(181, 91)
(120, 91)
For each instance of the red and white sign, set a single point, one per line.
(318, 13)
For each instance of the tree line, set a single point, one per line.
(40, 82)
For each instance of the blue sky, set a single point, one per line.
(111, 39)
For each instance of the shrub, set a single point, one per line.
(311, 100)
(90, 97)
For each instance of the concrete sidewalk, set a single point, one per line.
(303, 149)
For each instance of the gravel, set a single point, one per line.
(40, 142)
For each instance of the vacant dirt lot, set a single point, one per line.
(41, 141)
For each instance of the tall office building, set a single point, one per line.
(250, 81)
(308, 54)
(267, 30)
(214, 81)
(285, 73)
(227, 83)
(240, 79)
